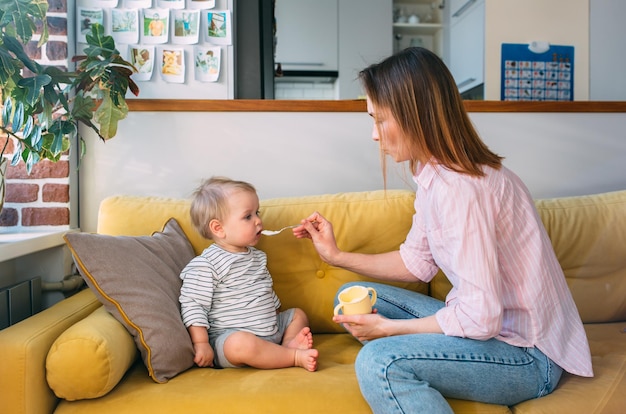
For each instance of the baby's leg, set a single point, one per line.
(244, 348)
(298, 334)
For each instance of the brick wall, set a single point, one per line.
(40, 201)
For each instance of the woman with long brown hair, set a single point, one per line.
(509, 326)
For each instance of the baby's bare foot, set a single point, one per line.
(306, 358)
(303, 340)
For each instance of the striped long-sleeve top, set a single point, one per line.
(223, 290)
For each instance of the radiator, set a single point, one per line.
(19, 301)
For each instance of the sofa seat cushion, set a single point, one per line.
(331, 389)
(601, 394)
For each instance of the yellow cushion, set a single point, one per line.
(90, 357)
(587, 233)
(589, 239)
(301, 279)
(127, 215)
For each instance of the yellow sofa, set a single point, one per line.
(588, 233)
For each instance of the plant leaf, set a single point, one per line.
(36, 140)
(83, 108)
(108, 115)
(33, 86)
(17, 154)
(24, 28)
(18, 117)
(28, 126)
(31, 159)
(13, 45)
(59, 76)
(40, 8)
(8, 65)
(60, 129)
(7, 108)
(57, 143)
(99, 44)
(134, 88)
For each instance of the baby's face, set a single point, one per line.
(242, 227)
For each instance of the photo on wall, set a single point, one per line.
(125, 25)
(85, 18)
(207, 63)
(155, 25)
(172, 64)
(142, 58)
(186, 26)
(218, 27)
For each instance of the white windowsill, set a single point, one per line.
(13, 245)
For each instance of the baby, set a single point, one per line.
(227, 299)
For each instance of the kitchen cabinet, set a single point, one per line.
(322, 45)
(307, 35)
(365, 37)
(457, 7)
(418, 23)
(467, 43)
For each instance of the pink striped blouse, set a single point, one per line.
(487, 237)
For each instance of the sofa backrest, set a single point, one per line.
(588, 234)
(589, 237)
(367, 222)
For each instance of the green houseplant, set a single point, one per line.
(42, 105)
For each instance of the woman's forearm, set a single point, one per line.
(384, 266)
(427, 324)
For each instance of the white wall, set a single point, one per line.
(560, 154)
(291, 154)
(607, 58)
(282, 154)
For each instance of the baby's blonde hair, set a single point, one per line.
(210, 202)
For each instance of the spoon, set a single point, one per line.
(275, 232)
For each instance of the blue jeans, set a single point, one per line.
(413, 373)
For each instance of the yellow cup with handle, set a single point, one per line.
(355, 300)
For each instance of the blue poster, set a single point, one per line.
(537, 74)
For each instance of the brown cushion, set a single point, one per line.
(137, 280)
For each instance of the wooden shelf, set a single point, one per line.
(260, 105)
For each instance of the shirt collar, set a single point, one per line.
(425, 174)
